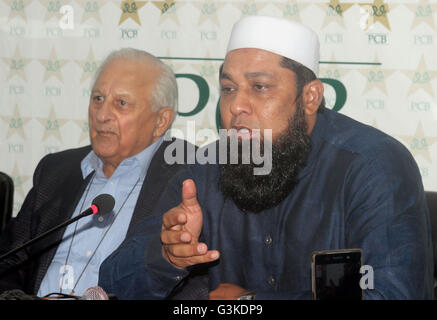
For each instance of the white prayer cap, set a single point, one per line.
(284, 37)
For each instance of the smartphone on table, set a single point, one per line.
(336, 274)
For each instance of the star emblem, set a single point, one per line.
(168, 11)
(17, 9)
(376, 77)
(16, 64)
(208, 69)
(334, 12)
(84, 130)
(208, 11)
(330, 69)
(91, 10)
(250, 8)
(52, 8)
(421, 78)
(16, 123)
(130, 9)
(291, 10)
(423, 13)
(419, 143)
(378, 12)
(88, 66)
(51, 125)
(53, 66)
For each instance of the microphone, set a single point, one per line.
(102, 204)
(97, 293)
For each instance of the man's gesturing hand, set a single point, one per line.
(181, 227)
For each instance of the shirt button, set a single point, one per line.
(268, 240)
(88, 253)
(178, 278)
(272, 281)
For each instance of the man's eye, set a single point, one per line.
(227, 90)
(98, 98)
(123, 103)
(259, 86)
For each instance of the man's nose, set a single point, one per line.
(241, 103)
(104, 112)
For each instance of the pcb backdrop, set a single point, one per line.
(378, 64)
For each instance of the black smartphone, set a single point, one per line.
(336, 274)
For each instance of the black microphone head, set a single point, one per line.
(104, 202)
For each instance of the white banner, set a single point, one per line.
(378, 64)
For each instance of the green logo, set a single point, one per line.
(17, 181)
(53, 66)
(207, 71)
(204, 94)
(208, 9)
(92, 7)
(90, 67)
(340, 92)
(378, 11)
(424, 11)
(16, 123)
(376, 76)
(17, 5)
(291, 10)
(85, 126)
(421, 78)
(203, 87)
(166, 7)
(249, 9)
(332, 74)
(52, 125)
(17, 64)
(130, 8)
(54, 6)
(418, 144)
(335, 11)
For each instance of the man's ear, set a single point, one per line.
(164, 119)
(312, 96)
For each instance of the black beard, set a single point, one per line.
(255, 193)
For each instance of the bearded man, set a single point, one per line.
(334, 184)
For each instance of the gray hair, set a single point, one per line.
(165, 93)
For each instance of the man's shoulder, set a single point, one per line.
(66, 158)
(353, 136)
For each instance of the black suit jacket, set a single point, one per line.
(57, 187)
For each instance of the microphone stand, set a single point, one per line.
(32, 241)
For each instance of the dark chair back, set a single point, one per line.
(431, 199)
(6, 199)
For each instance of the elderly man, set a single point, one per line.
(335, 184)
(132, 104)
